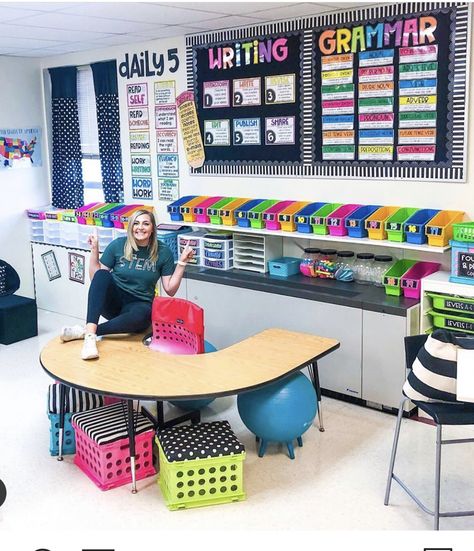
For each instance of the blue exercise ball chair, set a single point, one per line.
(279, 412)
(191, 405)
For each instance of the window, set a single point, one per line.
(89, 136)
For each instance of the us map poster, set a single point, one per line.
(367, 93)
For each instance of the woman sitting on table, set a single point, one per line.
(123, 282)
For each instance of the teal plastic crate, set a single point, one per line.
(69, 438)
(284, 267)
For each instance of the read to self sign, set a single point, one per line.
(137, 94)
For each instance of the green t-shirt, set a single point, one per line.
(139, 276)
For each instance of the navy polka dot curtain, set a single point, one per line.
(108, 121)
(67, 183)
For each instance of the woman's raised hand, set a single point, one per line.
(187, 254)
(93, 242)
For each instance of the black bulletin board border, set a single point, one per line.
(454, 170)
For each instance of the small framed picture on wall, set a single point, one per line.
(51, 265)
(76, 267)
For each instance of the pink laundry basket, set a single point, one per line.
(178, 326)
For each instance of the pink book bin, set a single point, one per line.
(200, 210)
(336, 222)
(411, 281)
(270, 215)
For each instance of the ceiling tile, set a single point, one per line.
(79, 23)
(38, 6)
(297, 10)
(10, 14)
(165, 32)
(226, 22)
(28, 43)
(228, 8)
(16, 30)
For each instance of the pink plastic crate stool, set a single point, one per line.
(102, 446)
(336, 222)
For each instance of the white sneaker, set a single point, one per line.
(72, 333)
(89, 348)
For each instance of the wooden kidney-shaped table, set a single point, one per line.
(130, 370)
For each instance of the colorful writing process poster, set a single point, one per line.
(382, 87)
(249, 93)
(246, 132)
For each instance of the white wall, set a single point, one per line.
(21, 106)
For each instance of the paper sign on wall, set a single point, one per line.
(189, 124)
(20, 147)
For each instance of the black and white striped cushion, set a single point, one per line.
(76, 400)
(109, 423)
(201, 441)
(434, 372)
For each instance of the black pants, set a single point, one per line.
(125, 314)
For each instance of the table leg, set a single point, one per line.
(62, 408)
(314, 374)
(131, 440)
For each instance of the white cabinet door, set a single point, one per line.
(383, 362)
(232, 314)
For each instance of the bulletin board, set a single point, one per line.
(368, 93)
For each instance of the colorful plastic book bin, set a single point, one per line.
(227, 213)
(80, 212)
(336, 221)
(302, 217)
(200, 210)
(287, 217)
(96, 214)
(411, 281)
(439, 230)
(393, 276)
(194, 473)
(103, 455)
(414, 227)
(174, 208)
(89, 213)
(255, 214)
(375, 223)
(318, 219)
(214, 211)
(464, 232)
(241, 213)
(270, 216)
(395, 223)
(105, 217)
(355, 222)
(187, 209)
(116, 216)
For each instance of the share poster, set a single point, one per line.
(376, 92)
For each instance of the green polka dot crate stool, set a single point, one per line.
(76, 401)
(200, 465)
(102, 445)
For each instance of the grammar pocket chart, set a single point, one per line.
(379, 94)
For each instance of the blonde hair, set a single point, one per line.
(131, 245)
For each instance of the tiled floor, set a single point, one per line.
(336, 482)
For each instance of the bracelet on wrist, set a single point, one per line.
(181, 263)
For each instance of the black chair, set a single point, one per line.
(452, 413)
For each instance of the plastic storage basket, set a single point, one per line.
(336, 221)
(395, 223)
(411, 281)
(170, 238)
(107, 463)
(187, 209)
(318, 219)
(393, 276)
(452, 303)
(462, 262)
(439, 230)
(217, 477)
(451, 322)
(463, 232)
(201, 210)
(284, 266)
(302, 217)
(415, 226)
(355, 222)
(69, 441)
(227, 213)
(375, 223)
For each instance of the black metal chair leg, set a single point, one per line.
(394, 451)
(62, 410)
(439, 429)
